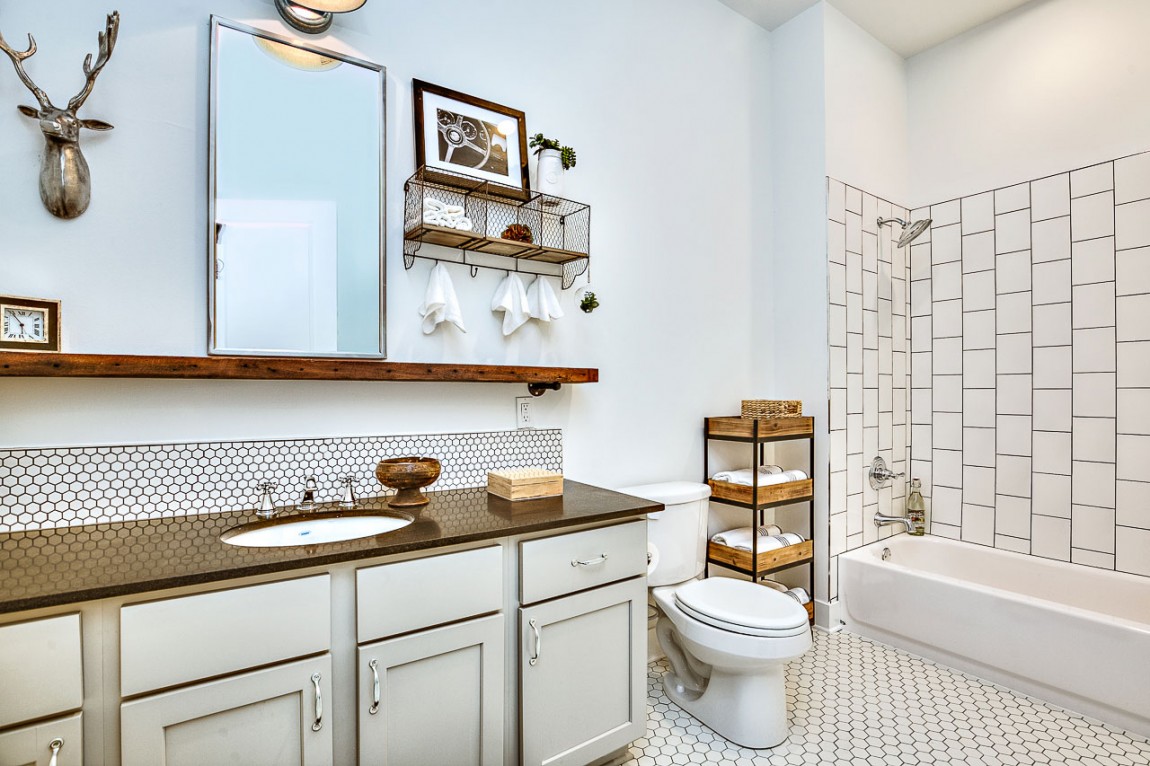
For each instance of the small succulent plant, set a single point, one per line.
(589, 302)
(566, 153)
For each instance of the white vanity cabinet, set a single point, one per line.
(223, 711)
(41, 680)
(583, 659)
(431, 695)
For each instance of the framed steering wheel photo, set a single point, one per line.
(469, 135)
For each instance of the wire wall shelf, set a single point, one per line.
(509, 224)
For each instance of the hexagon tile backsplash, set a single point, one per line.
(42, 488)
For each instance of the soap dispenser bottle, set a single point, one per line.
(916, 509)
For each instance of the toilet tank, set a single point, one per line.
(677, 536)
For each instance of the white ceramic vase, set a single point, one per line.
(549, 173)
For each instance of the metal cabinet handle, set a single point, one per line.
(374, 665)
(55, 746)
(318, 723)
(588, 562)
(538, 642)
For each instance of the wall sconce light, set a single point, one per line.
(314, 17)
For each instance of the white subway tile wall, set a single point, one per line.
(1030, 376)
(42, 488)
(870, 326)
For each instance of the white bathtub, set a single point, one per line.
(1068, 634)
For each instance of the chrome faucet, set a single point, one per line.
(882, 521)
(267, 509)
(348, 500)
(307, 498)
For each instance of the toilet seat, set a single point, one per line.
(742, 607)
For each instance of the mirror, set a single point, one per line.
(296, 246)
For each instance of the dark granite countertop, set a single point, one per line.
(70, 564)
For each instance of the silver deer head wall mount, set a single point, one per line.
(65, 183)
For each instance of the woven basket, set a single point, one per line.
(760, 409)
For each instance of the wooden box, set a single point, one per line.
(524, 483)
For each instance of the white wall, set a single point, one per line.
(658, 97)
(797, 279)
(866, 96)
(1056, 84)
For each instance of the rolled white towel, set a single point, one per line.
(769, 538)
(799, 594)
(745, 477)
(431, 203)
(453, 211)
(463, 224)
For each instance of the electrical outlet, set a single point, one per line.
(524, 417)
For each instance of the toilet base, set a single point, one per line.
(749, 709)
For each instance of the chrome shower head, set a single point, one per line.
(910, 230)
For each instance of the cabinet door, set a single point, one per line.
(34, 745)
(583, 674)
(440, 697)
(263, 718)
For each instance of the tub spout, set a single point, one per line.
(882, 521)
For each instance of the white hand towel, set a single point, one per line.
(542, 303)
(431, 203)
(440, 302)
(744, 477)
(511, 299)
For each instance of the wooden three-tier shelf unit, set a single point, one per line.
(758, 433)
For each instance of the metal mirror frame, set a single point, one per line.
(213, 112)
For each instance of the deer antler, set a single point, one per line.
(107, 43)
(18, 62)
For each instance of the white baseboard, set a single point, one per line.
(828, 615)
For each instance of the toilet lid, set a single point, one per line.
(742, 606)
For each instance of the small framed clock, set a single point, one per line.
(29, 324)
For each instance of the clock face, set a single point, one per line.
(24, 325)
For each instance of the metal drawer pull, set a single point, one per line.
(588, 562)
(538, 642)
(374, 665)
(318, 724)
(55, 746)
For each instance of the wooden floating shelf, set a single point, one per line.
(467, 240)
(46, 365)
(770, 429)
(769, 496)
(769, 561)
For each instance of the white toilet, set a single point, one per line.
(728, 640)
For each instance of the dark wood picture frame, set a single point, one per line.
(420, 88)
(52, 321)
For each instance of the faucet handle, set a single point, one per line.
(879, 474)
(348, 499)
(267, 507)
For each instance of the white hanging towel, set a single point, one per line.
(511, 299)
(542, 302)
(440, 303)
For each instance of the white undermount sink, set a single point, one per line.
(313, 529)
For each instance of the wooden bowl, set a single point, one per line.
(407, 475)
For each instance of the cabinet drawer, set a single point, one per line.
(553, 566)
(177, 640)
(32, 745)
(41, 670)
(409, 595)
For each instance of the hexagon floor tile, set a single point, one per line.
(858, 703)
